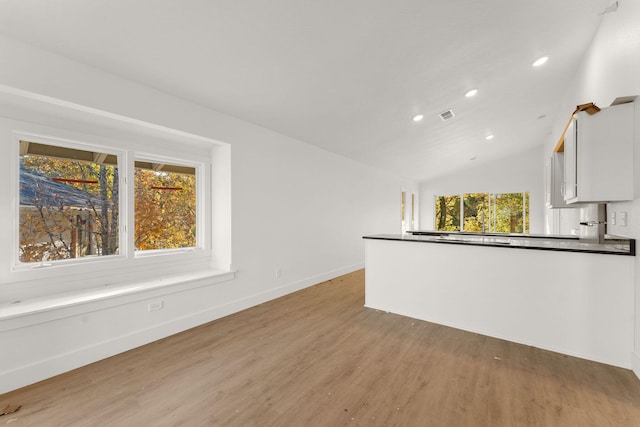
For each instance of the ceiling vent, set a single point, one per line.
(446, 115)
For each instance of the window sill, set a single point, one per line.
(17, 314)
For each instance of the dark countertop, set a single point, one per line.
(613, 245)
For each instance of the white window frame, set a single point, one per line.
(201, 198)
(491, 196)
(128, 266)
(18, 136)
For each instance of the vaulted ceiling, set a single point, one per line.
(345, 75)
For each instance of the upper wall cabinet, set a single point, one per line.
(598, 156)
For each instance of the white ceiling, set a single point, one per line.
(345, 75)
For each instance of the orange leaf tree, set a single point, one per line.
(165, 210)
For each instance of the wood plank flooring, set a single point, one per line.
(319, 358)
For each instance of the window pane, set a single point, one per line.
(448, 213)
(68, 203)
(165, 206)
(510, 210)
(476, 212)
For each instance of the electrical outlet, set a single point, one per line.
(622, 218)
(612, 221)
(156, 305)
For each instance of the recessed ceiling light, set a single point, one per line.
(488, 137)
(418, 117)
(471, 93)
(540, 61)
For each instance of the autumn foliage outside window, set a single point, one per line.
(68, 204)
(165, 207)
(488, 212)
(448, 213)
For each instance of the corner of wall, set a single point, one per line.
(635, 364)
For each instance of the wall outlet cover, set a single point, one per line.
(622, 218)
(156, 305)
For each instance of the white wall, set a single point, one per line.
(514, 174)
(294, 207)
(611, 69)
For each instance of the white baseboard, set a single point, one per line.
(75, 358)
(301, 284)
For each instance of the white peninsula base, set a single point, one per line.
(580, 304)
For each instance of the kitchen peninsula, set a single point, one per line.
(558, 293)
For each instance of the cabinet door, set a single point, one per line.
(605, 154)
(554, 185)
(571, 162)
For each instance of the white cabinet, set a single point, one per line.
(554, 182)
(598, 156)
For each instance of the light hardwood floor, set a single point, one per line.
(319, 358)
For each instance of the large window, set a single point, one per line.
(103, 203)
(483, 212)
(71, 199)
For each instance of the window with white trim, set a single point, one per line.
(68, 202)
(483, 212)
(165, 206)
(75, 218)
